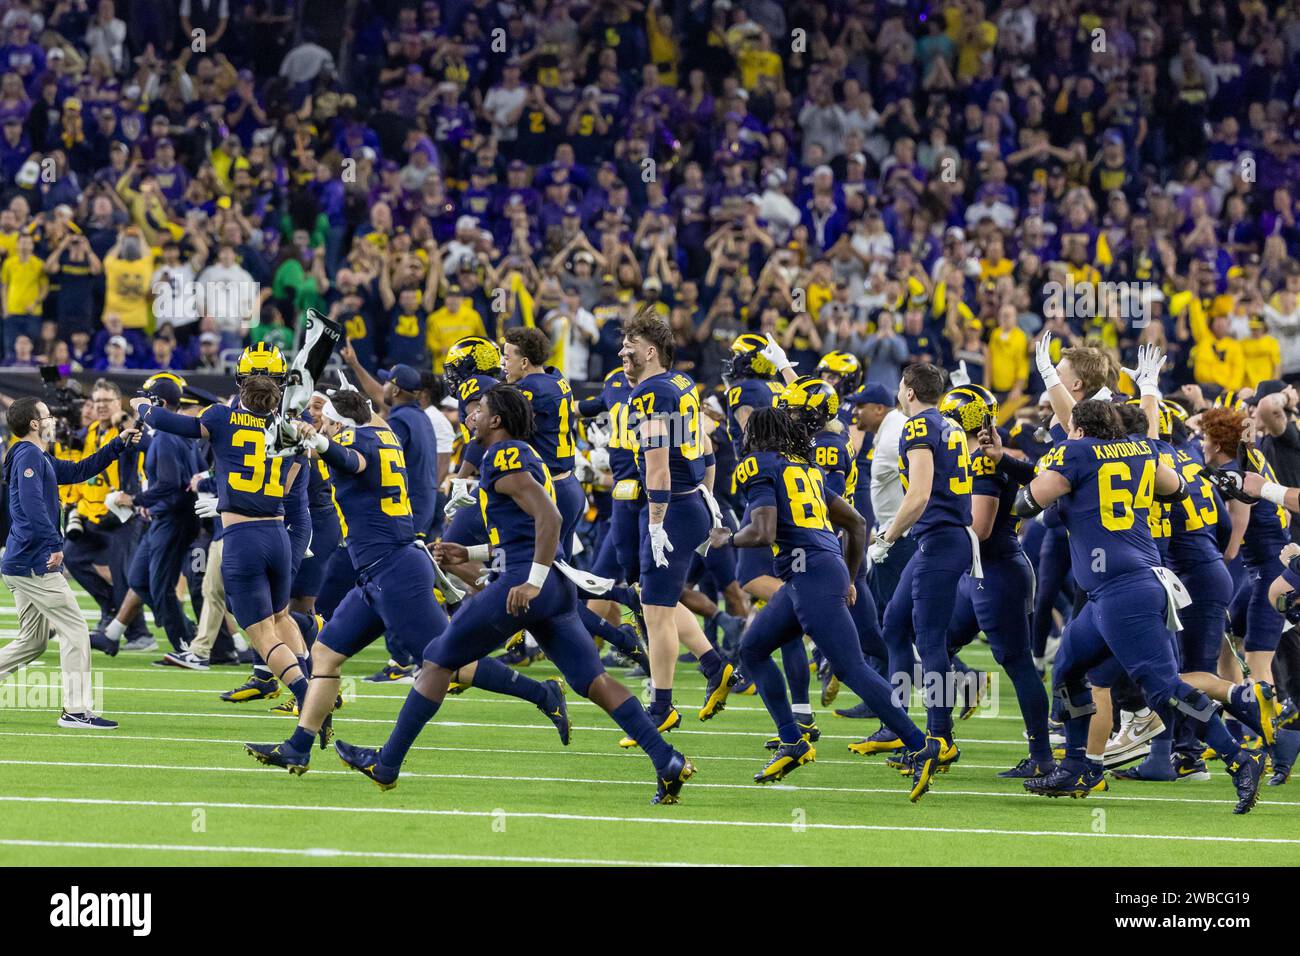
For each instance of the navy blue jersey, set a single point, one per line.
(949, 502)
(471, 390)
(1112, 486)
(669, 398)
(375, 503)
(754, 393)
(1161, 520)
(554, 414)
(320, 486)
(986, 479)
(833, 454)
(1193, 521)
(1266, 534)
(614, 395)
(797, 490)
(510, 528)
(248, 482)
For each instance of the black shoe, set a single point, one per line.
(858, 712)
(280, 755)
(1246, 772)
(100, 642)
(556, 709)
(1028, 769)
(672, 778)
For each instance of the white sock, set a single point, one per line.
(1142, 713)
(115, 630)
(802, 710)
(1095, 758)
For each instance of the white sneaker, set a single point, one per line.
(186, 659)
(141, 644)
(1133, 740)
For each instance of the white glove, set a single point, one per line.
(582, 469)
(599, 458)
(879, 550)
(775, 354)
(318, 442)
(961, 376)
(1043, 358)
(462, 495)
(597, 434)
(206, 506)
(1147, 374)
(660, 546)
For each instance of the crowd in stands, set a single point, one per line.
(907, 181)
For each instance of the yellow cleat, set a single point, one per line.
(514, 639)
(788, 757)
(715, 698)
(670, 722)
(456, 687)
(881, 742)
(1268, 710)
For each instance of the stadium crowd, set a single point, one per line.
(987, 188)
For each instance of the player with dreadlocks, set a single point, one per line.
(790, 512)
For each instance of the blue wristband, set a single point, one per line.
(658, 496)
(710, 460)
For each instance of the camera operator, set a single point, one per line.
(101, 531)
(33, 559)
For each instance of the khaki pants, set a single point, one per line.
(214, 603)
(46, 603)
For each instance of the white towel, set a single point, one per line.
(584, 579)
(452, 592)
(1178, 597)
(976, 568)
(714, 511)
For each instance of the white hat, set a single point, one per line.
(466, 222)
(120, 340)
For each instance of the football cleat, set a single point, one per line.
(788, 757)
(982, 683)
(456, 687)
(716, 691)
(255, 688)
(1148, 770)
(900, 761)
(744, 686)
(1266, 701)
(326, 732)
(672, 778)
(1029, 768)
(513, 641)
(556, 709)
(1288, 715)
(280, 755)
(925, 764)
(1246, 772)
(830, 683)
(1284, 755)
(286, 708)
(883, 741)
(392, 674)
(1190, 767)
(809, 732)
(637, 655)
(860, 711)
(1064, 781)
(365, 760)
(672, 720)
(521, 656)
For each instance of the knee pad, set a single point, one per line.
(1194, 704)
(1074, 700)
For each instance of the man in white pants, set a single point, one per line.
(33, 557)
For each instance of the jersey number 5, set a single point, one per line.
(392, 478)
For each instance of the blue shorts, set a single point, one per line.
(325, 535)
(394, 596)
(753, 563)
(483, 624)
(255, 568)
(687, 524)
(1252, 611)
(1210, 586)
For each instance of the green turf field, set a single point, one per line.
(489, 782)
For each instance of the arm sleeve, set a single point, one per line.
(341, 459)
(1019, 470)
(165, 421)
(591, 407)
(73, 472)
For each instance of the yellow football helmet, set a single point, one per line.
(969, 406)
(472, 355)
(810, 401)
(1228, 399)
(747, 360)
(846, 366)
(180, 382)
(261, 359)
(1165, 418)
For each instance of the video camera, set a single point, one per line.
(64, 398)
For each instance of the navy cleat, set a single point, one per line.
(1190, 767)
(326, 732)
(392, 674)
(857, 712)
(901, 762)
(788, 757)
(743, 685)
(637, 655)
(1288, 715)
(255, 688)
(671, 721)
(1028, 769)
(101, 642)
(732, 628)
(556, 709)
(1246, 772)
(1066, 781)
(1284, 755)
(830, 683)
(883, 741)
(809, 732)
(365, 760)
(280, 755)
(1151, 770)
(716, 691)
(672, 778)
(974, 696)
(925, 764)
